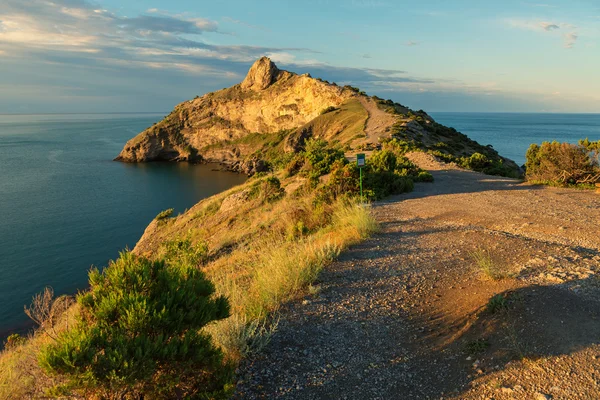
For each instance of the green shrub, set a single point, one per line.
(14, 340)
(477, 162)
(563, 163)
(295, 165)
(139, 333)
(183, 252)
(400, 147)
(164, 214)
(385, 183)
(320, 157)
(381, 161)
(477, 346)
(497, 303)
(424, 176)
(271, 189)
(328, 110)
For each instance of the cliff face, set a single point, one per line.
(267, 101)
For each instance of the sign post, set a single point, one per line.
(360, 162)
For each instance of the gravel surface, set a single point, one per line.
(404, 315)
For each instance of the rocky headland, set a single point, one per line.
(248, 126)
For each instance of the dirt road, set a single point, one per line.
(410, 314)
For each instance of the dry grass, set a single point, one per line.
(489, 267)
(344, 124)
(259, 278)
(21, 377)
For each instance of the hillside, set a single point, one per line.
(259, 123)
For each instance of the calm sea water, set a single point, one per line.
(64, 205)
(511, 134)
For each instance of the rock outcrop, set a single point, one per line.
(268, 101)
(261, 75)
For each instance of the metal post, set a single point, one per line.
(361, 194)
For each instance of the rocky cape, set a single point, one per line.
(278, 110)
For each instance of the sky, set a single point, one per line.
(437, 55)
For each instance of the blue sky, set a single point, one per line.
(438, 55)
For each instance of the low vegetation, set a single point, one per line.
(489, 267)
(497, 303)
(477, 346)
(386, 172)
(138, 333)
(164, 214)
(564, 164)
(417, 131)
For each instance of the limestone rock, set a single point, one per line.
(261, 75)
(269, 100)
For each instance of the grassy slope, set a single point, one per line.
(342, 125)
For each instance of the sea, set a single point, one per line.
(65, 205)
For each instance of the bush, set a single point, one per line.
(271, 189)
(182, 252)
(382, 161)
(267, 190)
(328, 110)
(320, 157)
(14, 340)
(295, 165)
(563, 163)
(477, 162)
(424, 176)
(139, 333)
(164, 214)
(497, 303)
(384, 174)
(400, 147)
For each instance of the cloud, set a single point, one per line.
(548, 26)
(168, 24)
(38, 27)
(411, 43)
(570, 40)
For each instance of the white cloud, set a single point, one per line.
(47, 30)
(546, 27)
(570, 40)
(549, 26)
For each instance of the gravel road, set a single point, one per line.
(404, 314)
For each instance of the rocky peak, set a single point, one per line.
(261, 75)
